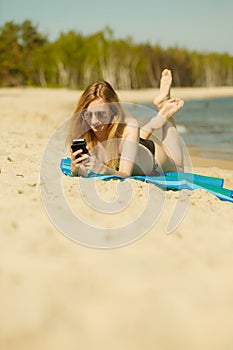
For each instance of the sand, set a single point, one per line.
(148, 95)
(161, 292)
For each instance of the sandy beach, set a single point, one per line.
(160, 292)
(147, 95)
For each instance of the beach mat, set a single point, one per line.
(168, 181)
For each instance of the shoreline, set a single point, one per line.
(199, 161)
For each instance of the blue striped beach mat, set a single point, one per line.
(168, 181)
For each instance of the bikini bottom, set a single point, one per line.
(149, 144)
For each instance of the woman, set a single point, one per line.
(115, 143)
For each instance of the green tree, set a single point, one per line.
(10, 55)
(19, 44)
(31, 43)
(75, 60)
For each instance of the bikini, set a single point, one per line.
(149, 144)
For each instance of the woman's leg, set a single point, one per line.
(163, 162)
(172, 143)
(170, 147)
(169, 151)
(160, 99)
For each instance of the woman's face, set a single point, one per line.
(98, 115)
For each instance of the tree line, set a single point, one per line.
(74, 60)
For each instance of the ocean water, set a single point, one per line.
(206, 126)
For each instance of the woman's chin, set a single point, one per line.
(98, 128)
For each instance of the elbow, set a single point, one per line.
(124, 174)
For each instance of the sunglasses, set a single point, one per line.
(87, 115)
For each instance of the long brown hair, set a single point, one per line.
(79, 128)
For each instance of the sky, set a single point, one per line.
(202, 25)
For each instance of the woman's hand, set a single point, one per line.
(94, 164)
(78, 165)
(85, 162)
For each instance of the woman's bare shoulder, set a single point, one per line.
(131, 127)
(131, 121)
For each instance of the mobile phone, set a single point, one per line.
(79, 144)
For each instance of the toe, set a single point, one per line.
(166, 72)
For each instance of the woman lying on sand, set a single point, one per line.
(116, 145)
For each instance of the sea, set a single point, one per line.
(205, 125)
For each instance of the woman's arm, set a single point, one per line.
(129, 147)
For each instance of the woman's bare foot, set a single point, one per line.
(165, 87)
(170, 107)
